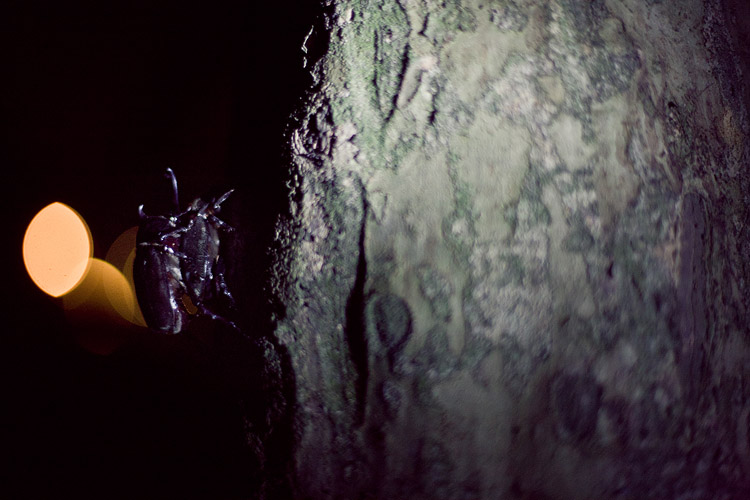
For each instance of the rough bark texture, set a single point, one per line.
(517, 263)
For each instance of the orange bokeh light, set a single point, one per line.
(121, 255)
(57, 249)
(58, 254)
(104, 293)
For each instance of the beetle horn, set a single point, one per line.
(141, 215)
(175, 198)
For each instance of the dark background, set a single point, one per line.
(96, 100)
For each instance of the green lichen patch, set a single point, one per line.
(472, 60)
(438, 290)
(435, 359)
(390, 42)
(492, 161)
(446, 18)
(578, 239)
(507, 15)
(567, 134)
(611, 74)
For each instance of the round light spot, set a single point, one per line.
(57, 249)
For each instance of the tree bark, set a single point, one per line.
(517, 262)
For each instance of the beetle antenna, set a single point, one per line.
(175, 196)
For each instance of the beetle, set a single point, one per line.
(178, 269)
(202, 263)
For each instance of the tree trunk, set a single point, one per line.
(517, 263)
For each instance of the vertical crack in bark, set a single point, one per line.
(355, 321)
(390, 57)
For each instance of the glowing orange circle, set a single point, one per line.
(57, 249)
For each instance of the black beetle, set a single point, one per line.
(178, 269)
(202, 265)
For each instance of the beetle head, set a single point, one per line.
(204, 207)
(153, 228)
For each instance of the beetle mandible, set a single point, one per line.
(178, 261)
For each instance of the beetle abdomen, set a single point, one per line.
(159, 288)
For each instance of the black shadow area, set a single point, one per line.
(96, 100)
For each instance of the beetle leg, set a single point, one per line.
(176, 233)
(164, 248)
(220, 283)
(204, 311)
(219, 223)
(222, 199)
